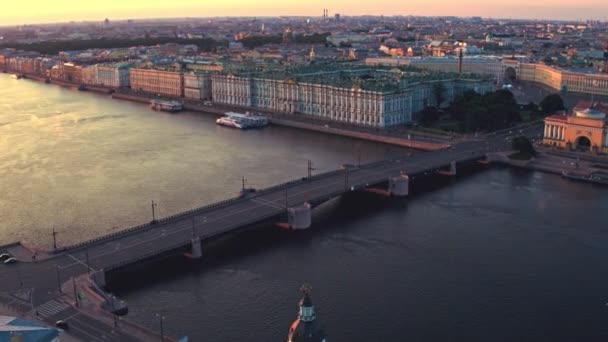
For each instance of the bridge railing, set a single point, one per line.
(147, 255)
(147, 225)
(185, 213)
(175, 246)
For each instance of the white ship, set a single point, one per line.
(247, 120)
(167, 106)
(230, 122)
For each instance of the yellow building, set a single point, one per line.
(157, 81)
(585, 81)
(586, 129)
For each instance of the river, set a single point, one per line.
(491, 255)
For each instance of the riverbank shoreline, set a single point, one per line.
(569, 166)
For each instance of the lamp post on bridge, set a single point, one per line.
(54, 239)
(75, 292)
(310, 168)
(88, 264)
(162, 331)
(58, 278)
(153, 212)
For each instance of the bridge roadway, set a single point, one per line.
(136, 244)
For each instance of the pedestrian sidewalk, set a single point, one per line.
(90, 303)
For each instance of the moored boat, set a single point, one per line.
(247, 120)
(230, 122)
(167, 106)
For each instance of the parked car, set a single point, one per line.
(61, 324)
(10, 260)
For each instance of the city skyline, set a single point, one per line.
(70, 10)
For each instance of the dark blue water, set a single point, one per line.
(498, 255)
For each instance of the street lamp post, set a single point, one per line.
(88, 264)
(54, 239)
(162, 331)
(153, 212)
(310, 169)
(58, 278)
(75, 292)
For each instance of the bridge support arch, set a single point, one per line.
(299, 217)
(399, 186)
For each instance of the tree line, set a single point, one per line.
(252, 42)
(473, 112)
(54, 47)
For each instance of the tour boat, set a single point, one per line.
(167, 106)
(247, 120)
(230, 122)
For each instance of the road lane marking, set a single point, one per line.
(50, 308)
(268, 203)
(77, 260)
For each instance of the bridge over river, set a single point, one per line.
(189, 230)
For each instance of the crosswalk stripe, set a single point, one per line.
(51, 308)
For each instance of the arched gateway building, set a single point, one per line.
(585, 129)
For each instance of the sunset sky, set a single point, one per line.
(36, 11)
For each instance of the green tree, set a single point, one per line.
(551, 103)
(429, 116)
(523, 146)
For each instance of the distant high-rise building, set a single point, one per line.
(106, 23)
(337, 16)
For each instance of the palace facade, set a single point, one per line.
(363, 96)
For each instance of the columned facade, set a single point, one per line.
(586, 129)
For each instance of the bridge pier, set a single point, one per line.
(399, 186)
(299, 217)
(197, 248)
(196, 251)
